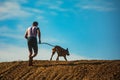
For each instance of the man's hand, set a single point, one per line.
(39, 42)
(26, 37)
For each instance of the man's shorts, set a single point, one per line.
(32, 44)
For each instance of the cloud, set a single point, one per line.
(76, 57)
(18, 1)
(47, 3)
(53, 7)
(97, 5)
(13, 9)
(53, 40)
(37, 13)
(34, 10)
(12, 35)
(17, 53)
(10, 10)
(6, 31)
(14, 52)
(57, 8)
(97, 8)
(53, 13)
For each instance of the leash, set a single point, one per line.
(48, 44)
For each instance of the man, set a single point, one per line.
(31, 36)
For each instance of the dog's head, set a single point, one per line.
(67, 52)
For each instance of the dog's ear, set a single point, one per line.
(67, 49)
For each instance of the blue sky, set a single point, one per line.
(89, 28)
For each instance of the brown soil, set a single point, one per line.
(61, 70)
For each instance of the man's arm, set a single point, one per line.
(26, 34)
(39, 35)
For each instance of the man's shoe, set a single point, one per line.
(30, 61)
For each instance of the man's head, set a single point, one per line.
(35, 23)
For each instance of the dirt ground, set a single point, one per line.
(61, 70)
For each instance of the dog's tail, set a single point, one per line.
(48, 44)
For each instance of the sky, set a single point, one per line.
(90, 29)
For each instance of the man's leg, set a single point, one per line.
(30, 53)
(35, 48)
(30, 61)
(35, 54)
(30, 57)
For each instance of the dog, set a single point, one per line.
(60, 51)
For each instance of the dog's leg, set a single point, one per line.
(52, 55)
(65, 58)
(57, 58)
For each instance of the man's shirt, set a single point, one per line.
(32, 31)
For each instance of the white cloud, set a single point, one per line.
(34, 10)
(53, 40)
(8, 32)
(12, 35)
(76, 57)
(8, 29)
(41, 19)
(53, 13)
(11, 53)
(16, 53)
(5, 29)
(47, 3)
(53, 7)
(20, 28)
(57, 8)
(11, 10)
(19, 1)
(59, 2)
(97, 8)
(97, 5)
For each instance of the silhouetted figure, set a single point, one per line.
(31, 36)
